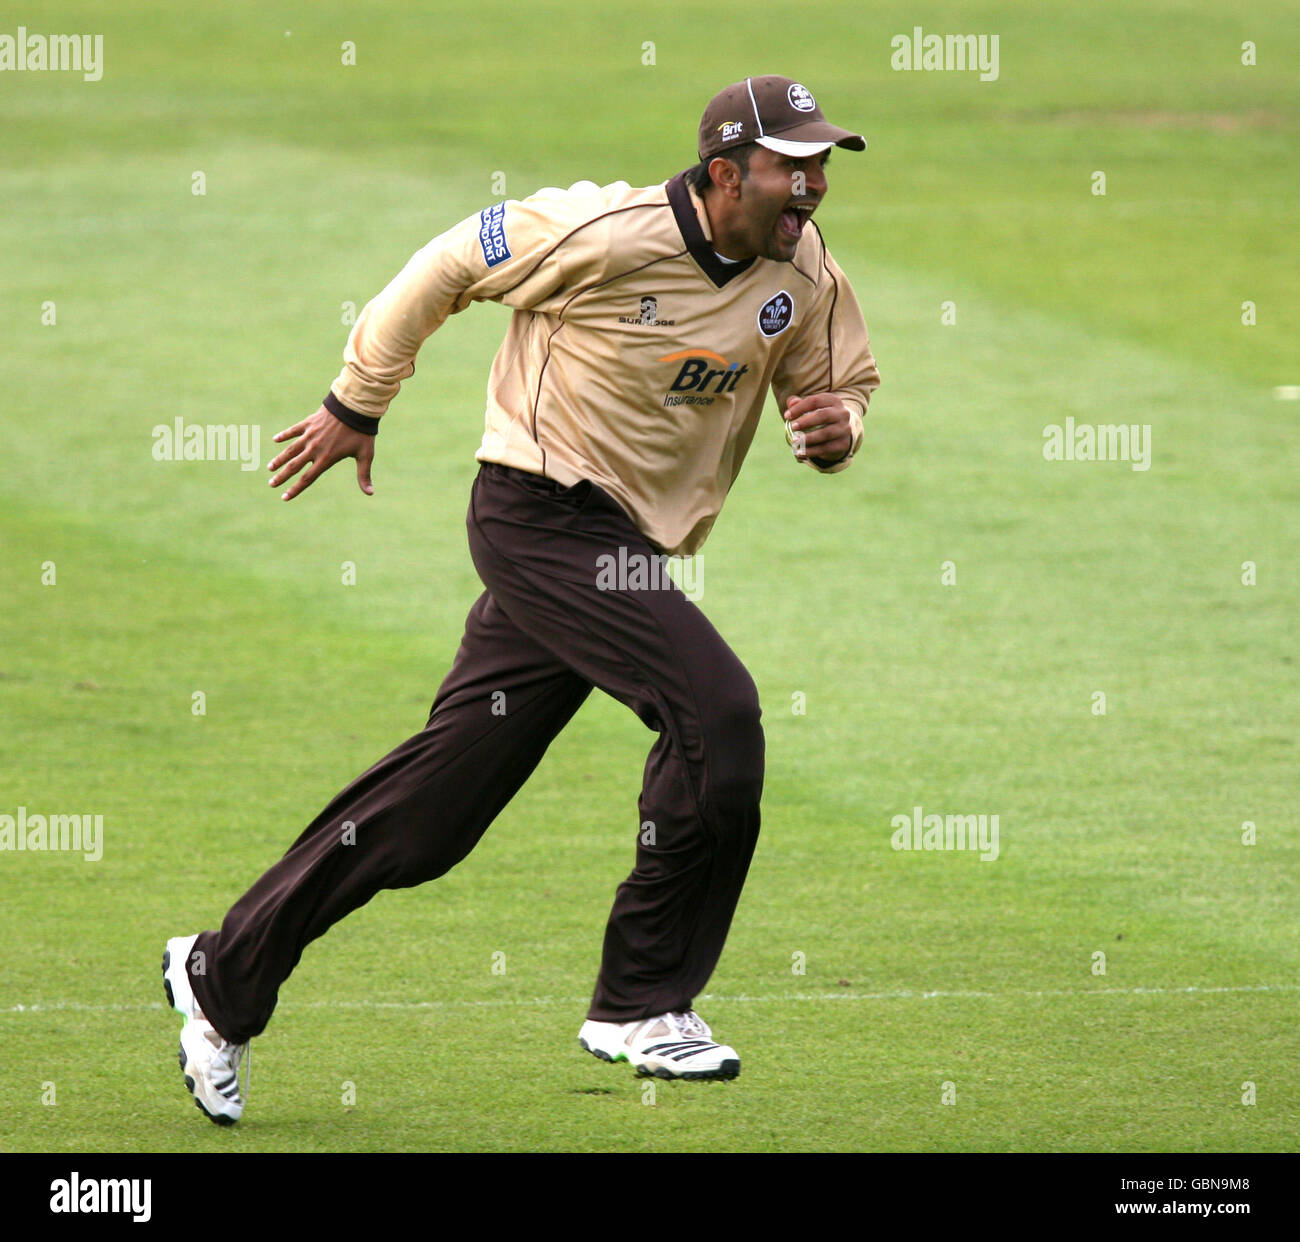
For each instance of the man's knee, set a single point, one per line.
(735, 745)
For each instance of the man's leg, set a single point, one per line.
(409, 819)
(537, 548)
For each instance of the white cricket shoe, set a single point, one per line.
(673, 1045)
(209, 1062)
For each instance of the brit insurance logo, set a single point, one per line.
(776, 314)
(731, 130)
(800, 97)
(492, 234)
(702, 378)
(649, 316)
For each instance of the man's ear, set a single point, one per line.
(725, 174)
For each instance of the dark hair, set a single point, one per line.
(698, 177)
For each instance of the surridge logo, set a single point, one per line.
(649, 316)
(697, 381)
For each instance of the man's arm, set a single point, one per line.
(507, 253)
(824, 381)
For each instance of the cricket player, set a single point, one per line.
(649, 325)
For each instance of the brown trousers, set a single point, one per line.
(536, 641)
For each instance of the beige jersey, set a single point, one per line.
(635, 358)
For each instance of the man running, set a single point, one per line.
(649, 325)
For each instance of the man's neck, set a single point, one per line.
(724, 249)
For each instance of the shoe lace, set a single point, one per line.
(689, 1023)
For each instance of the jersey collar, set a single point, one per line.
(687, 214)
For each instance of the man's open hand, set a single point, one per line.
(821, 427)
(318, 442)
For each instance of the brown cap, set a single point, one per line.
(777, 113)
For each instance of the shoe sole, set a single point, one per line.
(167, 983)
(190, 1084)
(729, 1069)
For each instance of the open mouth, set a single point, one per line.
(794, 217)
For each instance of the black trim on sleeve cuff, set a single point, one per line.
(350, 418)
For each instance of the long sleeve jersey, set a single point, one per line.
(635, 356)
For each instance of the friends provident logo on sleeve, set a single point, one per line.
(492, 234)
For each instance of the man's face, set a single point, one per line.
(776, 200)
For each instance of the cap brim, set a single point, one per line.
(794, 148)
(812, 140)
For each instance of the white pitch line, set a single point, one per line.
(722, 998)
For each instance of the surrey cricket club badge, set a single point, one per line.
(800, 97)
(775, 314)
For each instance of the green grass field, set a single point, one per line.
(1120, 833)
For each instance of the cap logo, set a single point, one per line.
(731, 129)
(800, 98)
